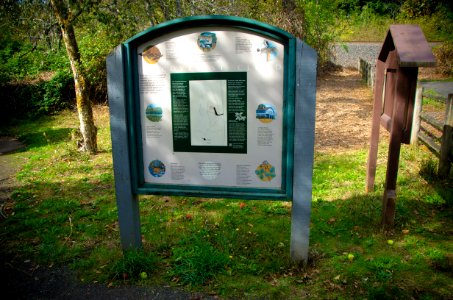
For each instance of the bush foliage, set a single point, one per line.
(29, 99)
(32, 44)
(444, 56)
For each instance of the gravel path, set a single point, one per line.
(347, 54)
(441, 87)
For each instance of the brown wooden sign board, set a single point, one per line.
(404, 50)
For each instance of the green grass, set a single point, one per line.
(65, 214)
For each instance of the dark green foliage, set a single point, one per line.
(27, 49)
(25, 99)
(428, 169)
(58, 93)
(419, 8)
(412, 8)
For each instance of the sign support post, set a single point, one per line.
(126, 199)
(303, 151)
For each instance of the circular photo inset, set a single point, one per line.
(151, 55)
(266, 113)
(156, 168)
(207, 41)
(265, 171)
(153, 113)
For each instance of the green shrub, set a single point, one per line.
(57, 93)
(419, 8)
(31, 98)
(428, 169)
(444, 56)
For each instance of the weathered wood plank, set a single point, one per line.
(432, 121)
(429, 142)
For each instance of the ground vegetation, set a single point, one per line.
(62, 214)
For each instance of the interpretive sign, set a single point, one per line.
(212, 106)
(212, 111)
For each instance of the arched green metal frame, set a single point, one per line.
(139, 186)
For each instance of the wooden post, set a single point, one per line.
(416, 118)
(446, 148)
(375, 126)
(405, 89)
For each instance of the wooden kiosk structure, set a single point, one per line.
(404, 50)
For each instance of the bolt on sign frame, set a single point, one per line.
(404, 50)
(213, 106)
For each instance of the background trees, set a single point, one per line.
(36, 75)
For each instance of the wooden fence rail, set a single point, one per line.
(443, 146)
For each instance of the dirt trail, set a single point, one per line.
(8, 169)
(343, 112)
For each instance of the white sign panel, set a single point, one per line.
(211, 105)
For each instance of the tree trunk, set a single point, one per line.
(288, 5)
(178, 9)
(84, 109)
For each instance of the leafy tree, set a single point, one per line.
(65, 16)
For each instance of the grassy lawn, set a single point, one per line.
(65, 213)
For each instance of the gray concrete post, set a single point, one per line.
(304, 137)
(127, 201)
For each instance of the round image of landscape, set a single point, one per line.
(207, 41)
(154, 113)
(266, 113)
(156, 168)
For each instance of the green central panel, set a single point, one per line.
(209, 112)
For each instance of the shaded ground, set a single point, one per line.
(24, 280)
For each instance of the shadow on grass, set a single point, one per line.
(444, 187)
(45, 136)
